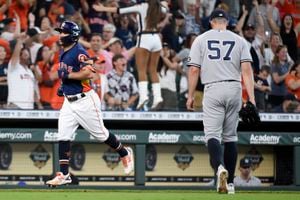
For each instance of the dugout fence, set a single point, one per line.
(169, 149)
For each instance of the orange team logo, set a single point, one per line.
(82, 57)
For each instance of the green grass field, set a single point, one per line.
(54, 194)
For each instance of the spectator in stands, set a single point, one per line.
(44, 62)
(21, 78)
(284, 7)
(123, 89)
(9, 31)
(96, 50)
(292, 81)
(255, 42)
(173, 33)
(245, 178)
(83, 25)
(99, 81)
(290, 7)
(126, 31)
(33, 42)
(3, 77)
(269, 53)
(234, 9)
(279, 70)
(192, 17)
(95, 19)
(22, 8)
(53, 44)
(232, 20)
(39, 10)
(289, 105)
(56, 101)
(107, 34)
(237, 26)
(4, 5)
(270, 15)
(46, 27)
(206, 8)
(115, 46)
(168, 66)
(255, 35)
(289, 35)
(60, 7)
(261, 87)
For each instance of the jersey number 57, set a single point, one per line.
(215, 52)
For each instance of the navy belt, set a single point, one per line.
(72, 98)
(222, 81)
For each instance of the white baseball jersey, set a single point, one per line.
(219, 54)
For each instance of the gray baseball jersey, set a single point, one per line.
(219, 54)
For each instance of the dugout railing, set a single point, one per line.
(274, 147)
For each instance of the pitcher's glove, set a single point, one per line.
(249, 114)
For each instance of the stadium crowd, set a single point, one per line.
(29, 51)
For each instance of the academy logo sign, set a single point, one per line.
(53, 135)
(296, 140)
(50, 136)
(163, 138)
(39, 156)
(264, 139)
(183, 158)
(199, 138)
(111, 158)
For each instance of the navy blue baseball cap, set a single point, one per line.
(245, 163)
(218, 13)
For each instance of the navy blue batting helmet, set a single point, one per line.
(70, 28)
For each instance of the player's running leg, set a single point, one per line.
(125, 153)
(63, 177)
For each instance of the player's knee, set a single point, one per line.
(100, 136)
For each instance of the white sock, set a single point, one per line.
(156, 92)
(143, 90)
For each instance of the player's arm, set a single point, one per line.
(193, 76)
(83, 74)
(248, 79)
(194, 63)
(86, 71)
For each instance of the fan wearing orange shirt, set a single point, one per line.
(292, 80)
(22, 8)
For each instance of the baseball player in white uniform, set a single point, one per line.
(81, 105)
(220, 57)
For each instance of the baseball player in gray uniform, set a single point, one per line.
(221, 58)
